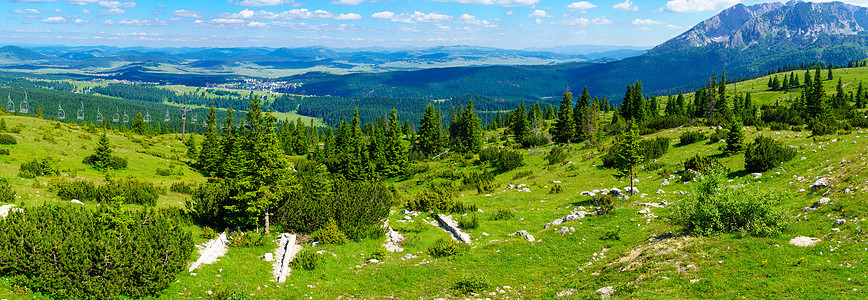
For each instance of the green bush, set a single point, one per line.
(778, 126)
(38, 167)
(7, 139)
(480, 181)
(208, 233)
(717, 135)
(435, 198)
(78, 189)
(612, 235)
(556, 189)
(690, 137)
(666, 122)
(654, 149)
(698, 165)
(132, 190)
(522, 174)
(557, 155)
(72, 252)
(471, 284)
(471, 222)
(113, 162)
(765, 153)
(250, 239)
(713, 207)
(509, 160)
(606, 203)
(305, 259)
(331, 234)
(4, 151)
(489, 155)
(503, 214)
(443, 248)
(183, 187)
(7, 194)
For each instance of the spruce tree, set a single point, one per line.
(192, 148)
(582, 104)
(102, 154)
(814, 105)
(681, 104)
(39, 111)
(565, 126)
(630, 153)
(210, 156)
(735, 137)
(829, 74)
(430, 132)
(396, 162)
(860, 97)
(519, 126)
(808, 82)
(471, 129)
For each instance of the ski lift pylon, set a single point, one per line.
(24, 107)
(80, 114)
(98, 116)
(10, 106)
(61, 114)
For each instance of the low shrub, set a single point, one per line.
(522, 174)
(480, 181)
(7, 139)
(606, 204)
(471, 222)
(489, 155)
(778, 126)
(208, 233)
(717, 135)
(249, 239)
(331, 234)
(509, 160)
(183, 187)
(305, 259)
(114, 162)
(556, 189)
(765, 153)
(690, 137)
(38, 167)
(471, 284)
(698, 165)
(78, 189)
(666, 122)
(7, 194)
(378, 254)
(4, 151)
(612, 235)
(444, 248)
(115, 253)
(557, 155)
(502, 214)
(714, 208)
(132, 190)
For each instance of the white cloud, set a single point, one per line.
(539, 13)
(54, 20)
(220, 23)
(348, 2)
(187, 14)
(680, 6)
(302, 13)
(137, 22)
(112, 12)
(116, 4)
(580, 6)
(254, 24)
(647, 22)
(57, 11)
(262, 2)
(29, 11)
(473, 20)
(502, 3)
(538, 21)
(585, 21)
(601, 21)
(510, 13)
(626, 5)
(348, 17)
(85, 11)
(670, 26)
(644, 29)
(416, 17)
(80, 22)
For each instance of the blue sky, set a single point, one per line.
(513, 24)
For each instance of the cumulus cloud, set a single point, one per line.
(601, 21)
(502, 3)
(348, 17)
(116, 4)
(302, 13)
(580, 6)
(85, 11)
(112, 12)
(258, 3)
(647, 22)
(54, 20)
(569, 21)
(416, 17)
(137, 22)
(29, 11)
(187, 14)
(626, 5)
(539, 13)
(348, 2)
(670, 26)
(680, 6)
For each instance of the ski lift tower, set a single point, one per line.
(23, 107)
(184, 111)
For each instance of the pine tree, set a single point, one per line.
(192, 148)
(579, 109)
(630, 153)
(519, 126)
(397, 153)
(565, 126)
(681, 104)
(735, 137)
(860, 97)
(4, 128)
(808, 82)
(430, 132)
(829, 74)
(840, 96)
(231, 160)
(471, 129)
(776, 85)
(652, 108)
(722, 104)
(794, 80)
(39, 111)
(210, 156)
(102, 154)
(814, 105)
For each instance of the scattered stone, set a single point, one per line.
(529, 238)
(76, 201)
(631, 190)
(820, 183)
(556, 181)
(567, 163)
(519, 233)
(606, 292)
(408, 256)
(660, 192)
(447, 223)
(4, 210)
(616, 192)
(526, 190)
(565, 293)
(268, 256)
(840, 221)
(756, 175)
(210, 251)
(394, 240)
(571, 217)
(804, 241)
(822, 201)
(836, 230)
(563, 230)
(373, 261)
(665, 182)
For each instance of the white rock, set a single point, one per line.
(840, 221)
(660, 192)
(373, 261)
(268, 256)
(529, 238)
(76, 201)
(606, 292)
(756, 175)
(820, 183)
(804, 241)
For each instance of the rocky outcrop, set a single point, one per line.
(450, 225)
(211, 251)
